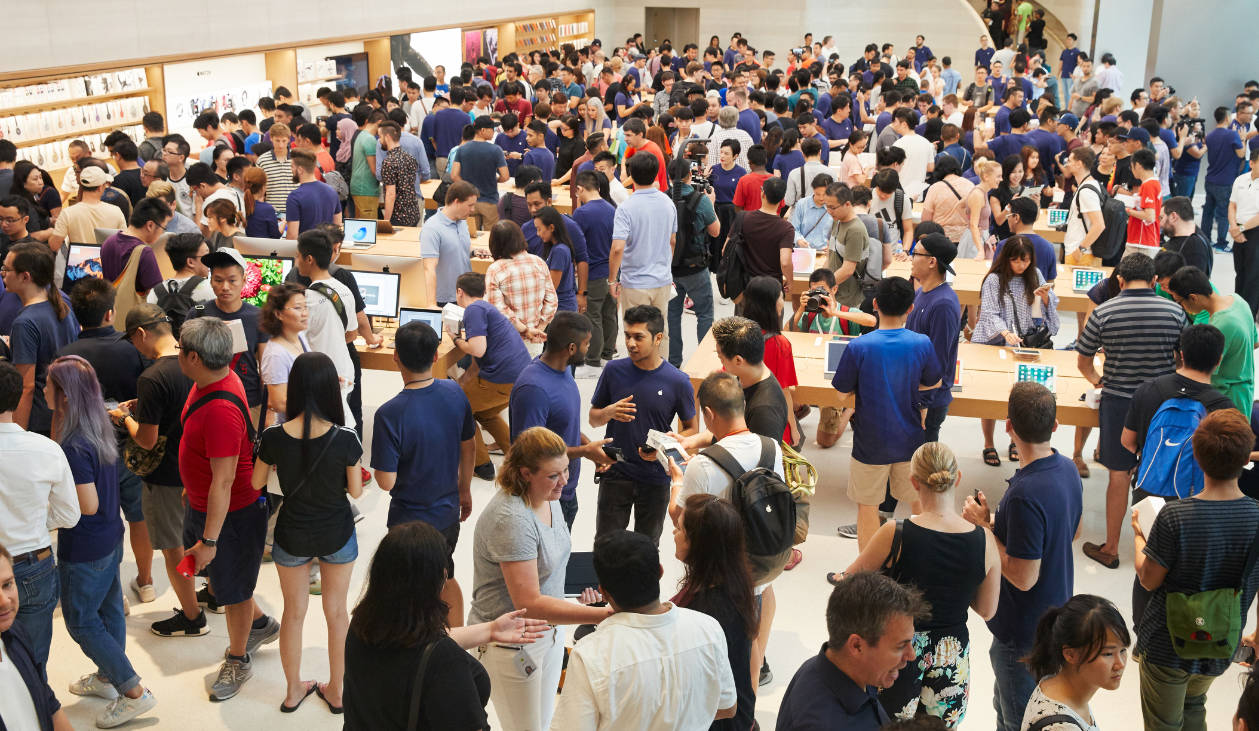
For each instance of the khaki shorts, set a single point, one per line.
(164, 509)
(867, 483)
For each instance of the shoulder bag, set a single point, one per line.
(413, 716)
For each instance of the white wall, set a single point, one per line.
(1184, 51)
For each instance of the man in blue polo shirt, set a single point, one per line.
(422, 449)
(545, 394)
(447, 128)
(595, 218)
(1066, 65)
(1034, 525)
(838, 126)
(1224, 154)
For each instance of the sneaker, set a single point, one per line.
(587, 371)
(126, 606)
(485, 471)
(180, 626)
(124, 709)
(146, 592)
(94, 684)
(766, 676)
(269, 632)
(232, 675)
(206, 599)
(847, 531)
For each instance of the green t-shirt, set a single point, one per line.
(816, 322)
(1235, 378)
(362, 176)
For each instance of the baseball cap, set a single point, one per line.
(94, 177)
(484, 121)
(224, 257)
(939, 246)
(1069, 119)
(1138, 134)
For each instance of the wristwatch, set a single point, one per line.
(211, 542)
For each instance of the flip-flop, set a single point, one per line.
(312, 688)
(834, 577)
(336, 710)
(991, 458)
(796, 557)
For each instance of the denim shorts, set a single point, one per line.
(130, 490)
(345, 554)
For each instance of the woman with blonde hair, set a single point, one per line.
(520, 556)
(260, 215)
(179, 223)
(224, 223)
(976, 240)
(956, 565)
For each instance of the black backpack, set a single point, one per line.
(762, 498)
(1115, 217)
(732, 270)
(690, 250)
(177, 301)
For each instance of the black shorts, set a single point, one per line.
(233, 573)
(1112, 412)
(451, 535)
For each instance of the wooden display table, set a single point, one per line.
(986, 378)
(381, 359)
(971, 273)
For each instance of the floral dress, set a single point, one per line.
(948, 568)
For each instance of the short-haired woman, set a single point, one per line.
(520, 553)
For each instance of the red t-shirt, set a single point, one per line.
(662, 176)
(217, 429)
(1149, 197)
(747, 194)
(522, 109)
(779, 361)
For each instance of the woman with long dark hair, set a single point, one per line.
(89, 554)
(763, 304)
(708, 540)
(317, 461)
(44, 324)
(999, 198)
(571, 144)
(1034, 175)
(1080, 648)
(557, 251)
(1014, 301)
(35, 185)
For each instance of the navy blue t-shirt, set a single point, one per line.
(725, 181)
(1007, 144)
(595, 220)
(938, 315)
(542, 158)
(560, 259)
(1222, 160)
(786, 163)
(35, 338)
(509, 143)
(447, 129)
(1036, 520)
(1187, 165)
(659, 396)
(417, 434)
(750, 122)
(884, 369)
(505, 353)
(1068, 60)
(94, 536)
(312, 204)
(546, 397)
(479, 162)
(533, 242)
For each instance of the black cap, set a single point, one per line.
(939, 246)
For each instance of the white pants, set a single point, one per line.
(524, 703)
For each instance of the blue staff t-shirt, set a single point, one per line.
(95, 536)
(595, 221)
(560, 259)
(725, 181)
(479, 162)
(938, 315)
(884, 369)
(659, 396)
(546, 397)
(1067, 61)
(505, 353)
(1222, 160)
(417, 435)
(34, 339)
(512, 143)
(543, 159)
(1036, 520)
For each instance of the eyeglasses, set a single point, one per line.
(8, 220)
(7, 270)
(297, 308)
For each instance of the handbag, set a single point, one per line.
(1208, 624)
(142, 462)
(413, 716)
(1038, 337)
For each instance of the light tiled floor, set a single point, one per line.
(180, 670)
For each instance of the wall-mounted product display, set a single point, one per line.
(539, 33)
(185, 109)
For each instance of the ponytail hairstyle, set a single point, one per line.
(36, 259)
(225, 210)
(255, 182)
(1083, 623)
(934, 467)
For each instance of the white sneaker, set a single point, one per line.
(587, 371)
(123, 709)
(146, 592)
(126, 605)
(93, 684)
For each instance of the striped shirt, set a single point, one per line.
(279, 180)
(1203, 546)
(1138, 330)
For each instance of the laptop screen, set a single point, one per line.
(359, 232)
(432, 317)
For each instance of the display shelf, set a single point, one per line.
(77, 133)
(77, 101)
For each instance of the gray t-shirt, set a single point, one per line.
(1088, 87)
(509, 531)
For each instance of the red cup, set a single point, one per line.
(188, 566)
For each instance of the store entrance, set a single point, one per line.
(681, 25)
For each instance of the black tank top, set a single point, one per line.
(947, 567)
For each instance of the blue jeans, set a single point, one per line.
(91, 604)
(700, 288)
(37, 591)
(1064, 87)
(568, 506)
(1013, 687)
(1184, 185)
(1215, 208)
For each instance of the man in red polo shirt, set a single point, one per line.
(514, 101)
(636, 137)
(225, 527)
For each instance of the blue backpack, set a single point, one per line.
(1167, 467)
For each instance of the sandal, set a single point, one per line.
(1081, 466)
(1095, 552)
(336, 710)
(834, 577)
(796, 557)
(1013, 453)
(991, 458)
(313, 687)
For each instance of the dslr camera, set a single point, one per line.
(818, 297)
(1193, 127)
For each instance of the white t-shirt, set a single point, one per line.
(326, 332)
(17, 708)
(1245, 195)
(648, 671)
(1041, 706)
(704, 477)
(617, 191)
(1087, 202)
(919, 152)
